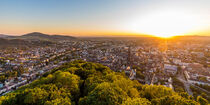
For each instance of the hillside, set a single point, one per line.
(3, 36)
(20, 42)
(43, 37)
(12, 42)
(86, 83)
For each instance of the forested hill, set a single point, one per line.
(86, 83)
(41, 37)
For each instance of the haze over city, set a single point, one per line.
(163, 18)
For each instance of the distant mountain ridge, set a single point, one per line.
(3, 36)
(41, 36)
(13, 41)
(5, 42)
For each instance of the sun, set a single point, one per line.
(165, 24)
(164, 36)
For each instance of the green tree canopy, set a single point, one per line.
(87, 83)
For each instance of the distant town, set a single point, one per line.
(181, 63)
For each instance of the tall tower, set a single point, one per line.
(129, 57)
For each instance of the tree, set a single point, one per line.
(136, 101)
(2, 78)
(173, 100)
(59, 101)
(202, 101)
(155, 91)
(35, 96)
(140, 75)
(67, 80)
(104, 94)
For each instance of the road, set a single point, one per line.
(152, 81)
(201, 88)
(186, 85)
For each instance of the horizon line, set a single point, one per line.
(103, 35)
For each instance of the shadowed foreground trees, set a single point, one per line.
(86, 83)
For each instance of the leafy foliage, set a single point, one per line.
(86, 83)
(136, 101)
(202, 101)
(178, 85)
(173, 100)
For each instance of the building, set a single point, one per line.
(170, 69)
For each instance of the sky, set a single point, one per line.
(105, 17)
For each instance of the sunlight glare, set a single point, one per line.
(165, 24)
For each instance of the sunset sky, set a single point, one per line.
(105, 17)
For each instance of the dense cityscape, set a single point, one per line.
(180, 63)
